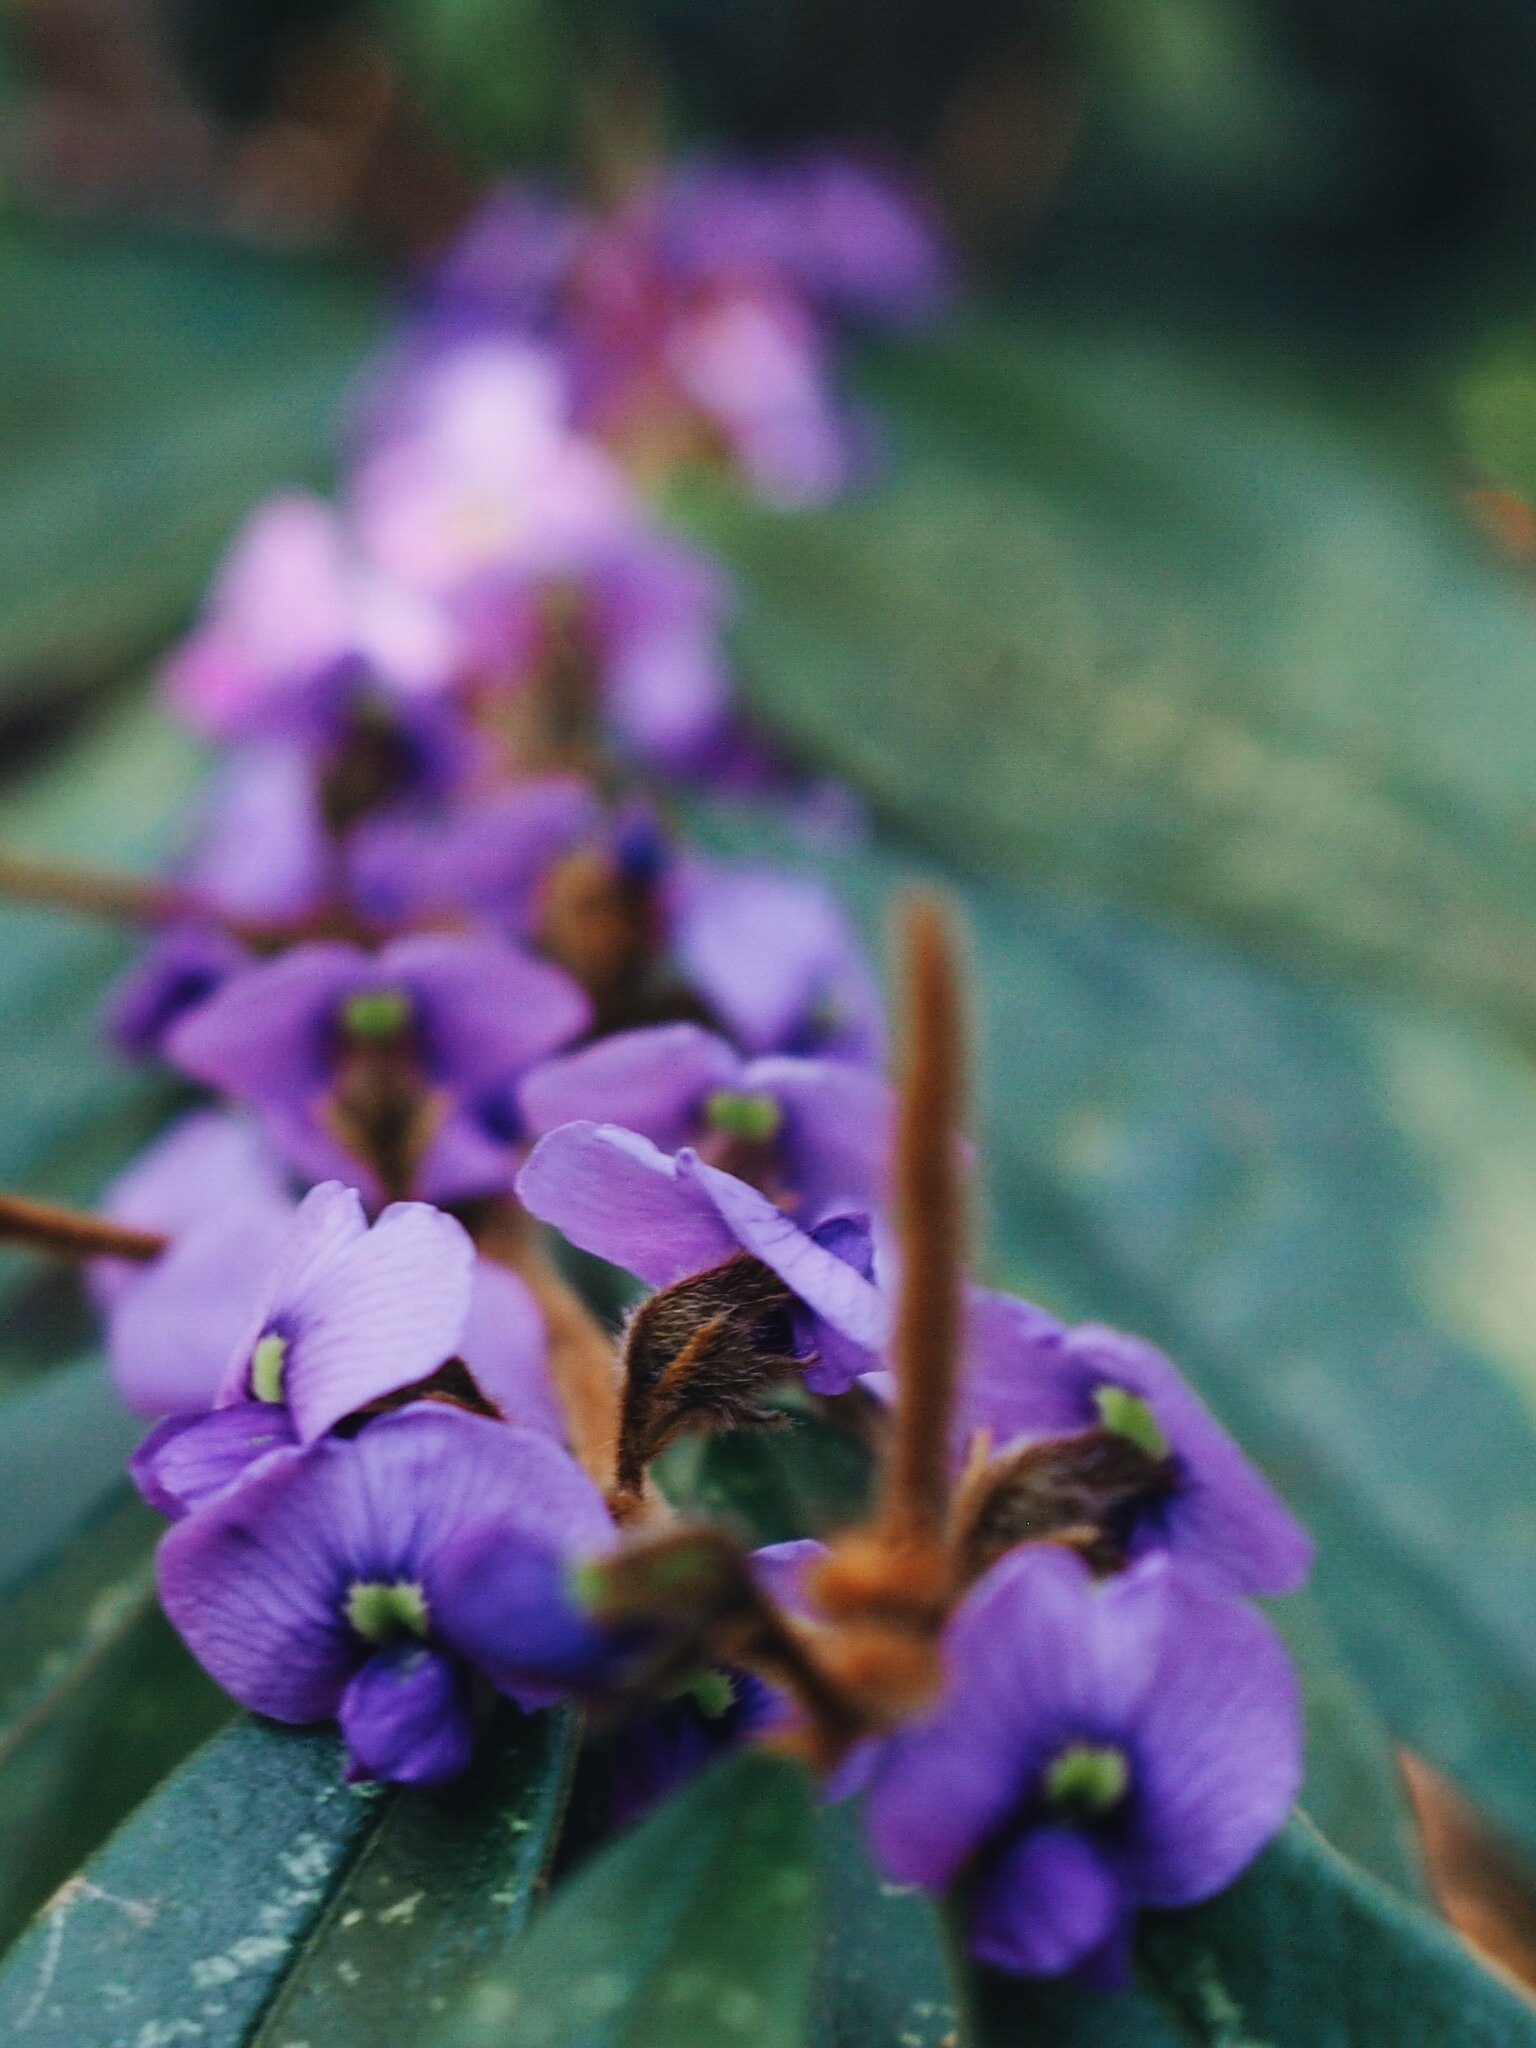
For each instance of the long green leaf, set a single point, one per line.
(884, 1973)
(695, 1931)
(257, 1893)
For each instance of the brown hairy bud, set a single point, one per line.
(700, 1355)
(1083, 1491)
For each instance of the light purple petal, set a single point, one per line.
(406, 1718)
(1046, 1903)
(654, 1081)
(506, 1347)
(838, 1122)
(382, 1312)
(190, 1458)
(263, 850)
(1218, 1758)
(781, 1570)
(616, 1195)
(1011, 1385)
(266, 1036)
(464, 1160)
(488, 1010)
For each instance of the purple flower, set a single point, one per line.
(1097, 1747)
(668, 1218)
(212, 1187)
(262, 849)
(812, 1134)
(776, 961)
(180, 968)
(392, 1069)
(291, 610)
(369, 1578)
(1028, 1381)
(488, 857)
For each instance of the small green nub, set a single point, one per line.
(755, 1117)
(1128, 1415)
(588, 1586)
(383, 1613)
(268, 1362)
(377, 1013)
(1087, 1778)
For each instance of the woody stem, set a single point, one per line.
(73, 1233)
(930, 1218)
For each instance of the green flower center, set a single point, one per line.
(1087, 1778)
(382, 1612)
(757, 1118)
(1129, 1416)
(379, 1013)
(268, 1362)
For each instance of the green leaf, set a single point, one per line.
(884, 1971)
(258, 1889)
(807, 1477)
(1154, 622)
(1302, 1952)
(154, 390)
(695, 1931)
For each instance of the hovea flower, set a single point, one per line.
(487, 857)
(670, 1218)
(774, 958)
(212, 1187)
(292, 610)
(1097, 1747)
(370, 1578)
(179, 968)
(388, 1069)
(262, 849)
(1053, 1401)
(812, 1134)
(346, 1316)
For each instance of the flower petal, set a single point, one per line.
(265, 1036)
(506, 1347)
(384, 1311)
(1217, 1764)
(405, 1717)
(653, 1081)
(188, 1459)
(488, 1009)
(838, 1121)
(1046, 1903)
(616, 1195)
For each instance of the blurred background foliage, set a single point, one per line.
(1191, 624)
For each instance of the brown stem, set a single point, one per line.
(581, 1355)
(136, 899)
(930, 1217)
(74, 1233)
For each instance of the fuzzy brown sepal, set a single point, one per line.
(1083, 1491)
(699, 1356)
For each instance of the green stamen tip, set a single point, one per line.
(268, 1362)
(377, 1013)
(754, 1117)
(383, 1613)
(712, 1693)
(1085, 1778)
(1128, 1415)
(589, 1586)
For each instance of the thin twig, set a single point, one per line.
(74, 1233)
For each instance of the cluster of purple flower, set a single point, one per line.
(444, 978)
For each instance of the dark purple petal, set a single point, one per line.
(406, 1717)
(467, 1157)
(1037, 1656)
(378, 1312)
(487, 1009)
(180, 969)
(267, 1035)
(616, 1195)
(1218, 1756)
(508, 1606)
(188, 1459)
(654, 1081)
(1045, 1903)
